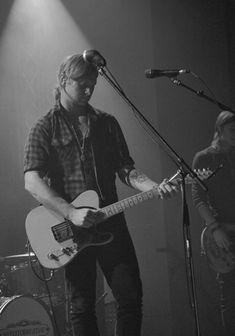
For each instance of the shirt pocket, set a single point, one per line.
(65, 149)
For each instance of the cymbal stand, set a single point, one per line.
(189, 265)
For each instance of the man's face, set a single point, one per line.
(80, 90)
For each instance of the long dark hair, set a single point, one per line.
(223, 118)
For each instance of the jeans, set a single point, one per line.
(119, 264)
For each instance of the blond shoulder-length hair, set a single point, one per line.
(75, 67)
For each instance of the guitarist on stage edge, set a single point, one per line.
(73, 148)
(217, 206)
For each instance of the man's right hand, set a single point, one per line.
(85, 217)
(221, 238)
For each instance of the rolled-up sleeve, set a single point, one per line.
(36, 152)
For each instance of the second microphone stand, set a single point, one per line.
(184, 170)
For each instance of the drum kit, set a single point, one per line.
(29, 305)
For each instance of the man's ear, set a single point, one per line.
(63, 80)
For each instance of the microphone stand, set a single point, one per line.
(184, 170)
(201, 94)
(186, 231)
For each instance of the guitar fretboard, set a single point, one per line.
(129, 202)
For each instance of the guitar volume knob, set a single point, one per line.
(67, 251)
(52, 256)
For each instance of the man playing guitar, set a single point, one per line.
(73, 148)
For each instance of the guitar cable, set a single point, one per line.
(32, 266)
(45, 280)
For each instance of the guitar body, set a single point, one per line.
(56, 241)
(219, 259)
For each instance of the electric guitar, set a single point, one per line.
(57, 241)
(219, 259)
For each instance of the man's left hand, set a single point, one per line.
(166, 189)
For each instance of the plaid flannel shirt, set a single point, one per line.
(53, 149)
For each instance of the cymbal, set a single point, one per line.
(25, 255)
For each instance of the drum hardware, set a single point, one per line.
(17, 256)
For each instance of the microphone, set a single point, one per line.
(94, 57)
(154, 73)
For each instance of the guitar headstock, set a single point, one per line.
(202, 174)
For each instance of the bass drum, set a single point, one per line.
(22, 315)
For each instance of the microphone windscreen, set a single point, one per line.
(94, 57)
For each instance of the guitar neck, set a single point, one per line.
(129, 202)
